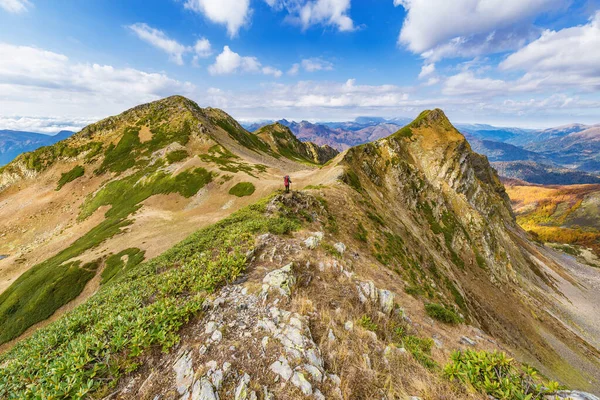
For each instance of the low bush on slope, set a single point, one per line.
(443, 314)
(497, 375)
(242, 189)
(89, 348)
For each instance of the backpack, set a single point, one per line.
(286, 180)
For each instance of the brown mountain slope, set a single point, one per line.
(282, 141)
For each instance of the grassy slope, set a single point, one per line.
(24, 303)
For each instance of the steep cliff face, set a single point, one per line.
(282, 141)
(461, 243)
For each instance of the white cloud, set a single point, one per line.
(34, 79)
(175, 50)
(15, 6)
(309, 95)
(567, 60)
(159, 40)
(232, 13)
(272, 71)
(569, 54)
(426, 70)
(441, 28)
(316, 12)
(230, 62)
(293, 71)
(44, 124)
(202, 48)
(316, 64)
(467, 84)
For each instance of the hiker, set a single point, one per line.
(287, 182)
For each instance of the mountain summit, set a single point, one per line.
(154, 254)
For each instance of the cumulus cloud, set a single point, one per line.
(36, 79)
(174, 49)
(439, 28)
(564, 60)
(232, 13)
(565, 55)
(316, 12)
(159, 40)
(202, 48)
(15, 6)
(316, 64)
(230, 62)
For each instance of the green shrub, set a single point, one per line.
(443, 314)
(497, 375)
(176, 155)
(70, 176)
(366, 322)
(242, 189)
(420, 348)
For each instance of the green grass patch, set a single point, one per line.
(176, 156)
(361, 233)
(117, 263)
(70, 176)
(495, 374)
(40, 291)
(378, 219)
(86, 351)
(229, 162)
(242, 189)
(405, 132)
(443, 314)
(331, 250)
(351, 179)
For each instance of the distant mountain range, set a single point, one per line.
(566, 154)
(13, 143)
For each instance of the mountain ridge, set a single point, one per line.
(389, 245)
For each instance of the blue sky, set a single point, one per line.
(532, 63)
